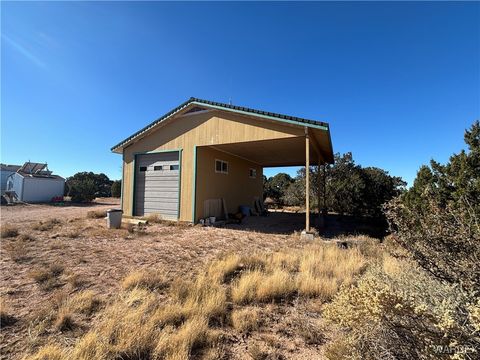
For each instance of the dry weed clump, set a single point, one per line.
(49, 352)
(96, 214)
(47, 277)
(147, 279)
(246, 319)
(18, 249)
(46, 225)
(8, 231)
(153, 219)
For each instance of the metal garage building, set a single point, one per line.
(203, 155)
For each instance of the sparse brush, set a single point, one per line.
(8, 231)
(246, 319)
(96, 214)
(146, 279)
(46, 225)
(312, 332)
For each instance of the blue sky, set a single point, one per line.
(398, 82)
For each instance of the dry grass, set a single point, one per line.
(146, 279)
(316, 271)
(245, 320)
(8, 231)
(26, 237)
(46, 225)
(96, 214)
(49, 352)
(153, 219)
(6, 317)
(183, 321)
(64, 321)
(18, 250)
(179, 344)
(47, 277)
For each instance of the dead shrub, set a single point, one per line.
(8, 231)
(146, 279)
(96, 214)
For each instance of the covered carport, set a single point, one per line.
(313, 148)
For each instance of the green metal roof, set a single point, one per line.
(227, 107)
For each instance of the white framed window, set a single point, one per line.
(221, 166)
(252, 173)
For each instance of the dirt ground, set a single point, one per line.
(93, 257)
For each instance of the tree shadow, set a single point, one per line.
(335, 225)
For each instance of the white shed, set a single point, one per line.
(33, 182)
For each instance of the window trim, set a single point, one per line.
(221, 166)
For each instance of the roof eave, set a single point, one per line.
(224, 107)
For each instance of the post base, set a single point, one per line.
(307, 235)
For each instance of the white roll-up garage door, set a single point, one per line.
(157, 179)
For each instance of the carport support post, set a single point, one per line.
(307, 182)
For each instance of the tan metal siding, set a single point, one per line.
(236, 187)
(185, 133)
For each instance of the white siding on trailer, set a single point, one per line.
(15, 183)
(157, 179)
(4, 175)
(37, 189)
